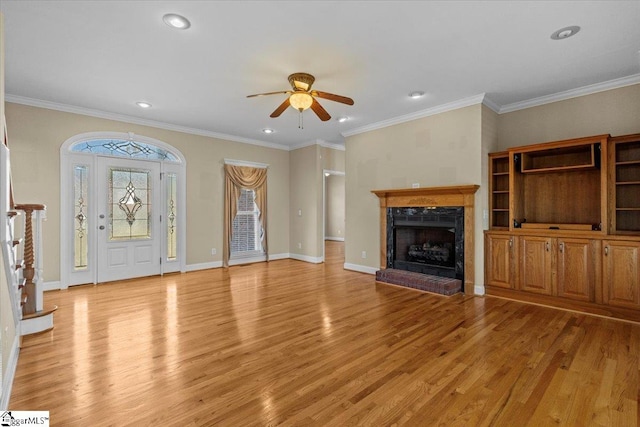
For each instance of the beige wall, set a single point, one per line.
(332, 159)
(616, 112)
(334, 206)
(305, 189)
(440, 150)
(35, 138)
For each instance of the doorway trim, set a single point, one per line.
(326, 173)
(69, 158)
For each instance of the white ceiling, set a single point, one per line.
(100, 57)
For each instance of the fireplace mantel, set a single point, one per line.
(459, 195)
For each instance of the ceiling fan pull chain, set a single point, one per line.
(300, 122)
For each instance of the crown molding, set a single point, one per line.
(137, 121)
(439, 109)
(319, 142)
(572, 93)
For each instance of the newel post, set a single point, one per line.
(28, 272)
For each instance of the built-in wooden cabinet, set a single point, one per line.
(577, 268)
(621, 276)
(500, 250)
(535, 265)
(565, 224)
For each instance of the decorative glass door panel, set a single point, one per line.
(80, 216)
(129, 238)
(172, 220)
(129, 204)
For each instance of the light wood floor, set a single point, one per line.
(295, 343)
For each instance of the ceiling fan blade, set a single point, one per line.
(280, 109)
(321, 112)
(269, 93)
(332, 97)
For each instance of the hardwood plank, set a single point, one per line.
(293, 343)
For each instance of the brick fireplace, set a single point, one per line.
(430, 232)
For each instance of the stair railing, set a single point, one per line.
(32, 262)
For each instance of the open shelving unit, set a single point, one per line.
(499, 183)
(626, 188)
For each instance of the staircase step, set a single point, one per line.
(39, 321)
(44, 312)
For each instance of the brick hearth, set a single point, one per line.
(424, 282)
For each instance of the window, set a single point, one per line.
(246, 237)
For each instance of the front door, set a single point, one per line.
(128, 207)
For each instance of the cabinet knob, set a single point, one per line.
(561, 246)
(547, 245)
(511, 242)
(606, 250)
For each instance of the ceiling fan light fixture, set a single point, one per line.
(301, 101)
(176, 21)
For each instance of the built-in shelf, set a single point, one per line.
(585, 156)
(626, 191)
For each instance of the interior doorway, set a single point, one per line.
(333, 214)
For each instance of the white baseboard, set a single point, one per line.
(10, 373)
(204, 266)
(218, 264)
(360, 268)
(337, 239)
(306, 258)
(51, 286)
(478, 289)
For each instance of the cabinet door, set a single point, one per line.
(499, 260)
(535, 264)
(621, 274)
(576, 269)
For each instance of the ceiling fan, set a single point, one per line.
(302, 97)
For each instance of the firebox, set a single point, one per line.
(427, 240)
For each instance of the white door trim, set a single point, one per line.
(68, 159)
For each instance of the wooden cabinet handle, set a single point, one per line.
(511, 242)
(606, 250)
(547, 245)
(561, 247)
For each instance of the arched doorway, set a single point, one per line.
(122, 208)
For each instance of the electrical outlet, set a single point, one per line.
(299, 245)
(364, 254)
(415, 185)
(299, 212)
(213, 251)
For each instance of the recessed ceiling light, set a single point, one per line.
(143, 104)
(267, 130)
(343, 119)
(327, 174)
(416, 94)
(565, 33)
(176, 21)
